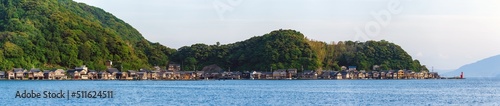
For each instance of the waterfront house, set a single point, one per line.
(39, 75)
(343, 75)
(401, 74)
(267, 75)
(113, 73)
(326, 75)
(2, 75)
(383, 75)
(426, 75)
(174, 67)
(343, 68)
(423, 74)
(141, 75)
(236, 75)
(46, 74)
(369, 75)
(291, 73)
(155, 75)
(352, 68)
(104, 75)
(309, 74)
(353, 74)
(246, 75)
(54, 75)
(35, 73)
(284, 73)
(132, 74)
(279, 74)
(226, 75)
(124, 76)
(176, 75)
(410, 74)
(199, 74)
(186, 75)
(83, 72)
(361, 74)
(162, 75)
(30, 73)
(333, 74)
(92, 74)
(147, 74)
(11, 75)
(338, 75)
(108, 64)
(20, 73)
(376, 75)
(433, 75)
(170, 75)
(256, 75)
(73, 74)
(390, 74)
(59, 74)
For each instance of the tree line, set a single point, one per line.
(64, 34)
(282, 49)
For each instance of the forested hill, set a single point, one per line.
(283, 49)
(65, 34)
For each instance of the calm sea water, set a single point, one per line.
(472, 91)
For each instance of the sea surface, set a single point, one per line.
(471, 91)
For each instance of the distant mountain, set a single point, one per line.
(488, 67)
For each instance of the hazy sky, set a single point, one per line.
(445, 34)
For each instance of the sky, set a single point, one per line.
(444, 34)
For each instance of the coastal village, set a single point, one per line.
(212, 72)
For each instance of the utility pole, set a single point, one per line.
(302, 68)
(271, 69)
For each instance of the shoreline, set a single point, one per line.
(251, 79)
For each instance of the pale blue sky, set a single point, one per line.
(445, 34)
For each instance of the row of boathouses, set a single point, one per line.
(172, 73)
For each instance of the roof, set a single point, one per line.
(18, 69)
(144, 70)
(111, 70)
(212, 68)
(140, 73)
(71, 71)
(174, 64)
(132, 71)
(35, 70)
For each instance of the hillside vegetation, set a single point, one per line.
(290, 49)
(65, 34)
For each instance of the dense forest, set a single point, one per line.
(282, 49)
(64, 34)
